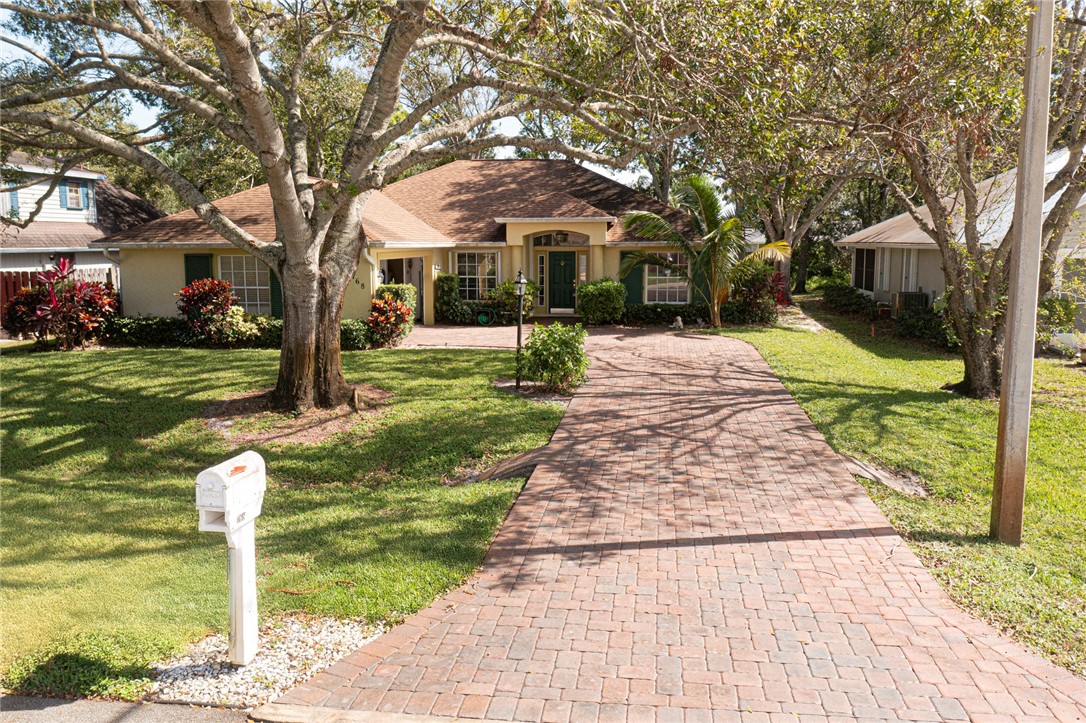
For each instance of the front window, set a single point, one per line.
(478, 272)
(667, 286)
(75, 195)
(863, 273)
(250, 277)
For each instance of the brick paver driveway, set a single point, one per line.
(692, 549)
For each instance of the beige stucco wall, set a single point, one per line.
(152, 277)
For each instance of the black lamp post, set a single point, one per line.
(520, 286)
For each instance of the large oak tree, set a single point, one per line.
(413, 82)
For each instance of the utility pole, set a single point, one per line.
(1012, 444)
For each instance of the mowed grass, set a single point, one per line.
(103, 567)
(879, 399)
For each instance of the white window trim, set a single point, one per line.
(241, 301)
(78, 186)
(908, 270)
(648, 276)
(883, 264)
(455, 264)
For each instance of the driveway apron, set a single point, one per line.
(690, 548)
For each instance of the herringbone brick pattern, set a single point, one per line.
(691, 549)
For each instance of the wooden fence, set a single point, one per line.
(12, 281)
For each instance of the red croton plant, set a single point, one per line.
(68, 309)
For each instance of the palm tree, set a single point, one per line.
(718, 252)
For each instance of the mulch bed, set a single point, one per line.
(532, 391)
(247, 419)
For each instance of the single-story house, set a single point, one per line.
(483, 220)
(83, 208)
(896, 262)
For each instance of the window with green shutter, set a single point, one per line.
(635, 284)
(276, 296)
(197, 266)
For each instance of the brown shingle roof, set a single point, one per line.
(385, 220)
(457, 202)
(118, 209)
(249, 209)
(461, 199)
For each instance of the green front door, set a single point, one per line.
(560, 286)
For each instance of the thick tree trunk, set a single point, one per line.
(310, 369)
(981, 337)
(803, 256)
(784, 266)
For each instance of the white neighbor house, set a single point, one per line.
(84, 207)
(897, 263)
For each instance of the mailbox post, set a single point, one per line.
(229, 497)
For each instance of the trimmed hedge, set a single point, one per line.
(652, 314)
(354, 335)
(159, 331)
(145, 331)
(602, 301)
(845, 299)
(928, 326)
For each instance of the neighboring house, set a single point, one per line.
(84, 207)
(481, 220)
(896, 262)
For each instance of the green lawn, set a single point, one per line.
(880, 399)
(103, 568)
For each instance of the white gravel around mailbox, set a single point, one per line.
(292, 649)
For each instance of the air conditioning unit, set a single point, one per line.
(901, 300)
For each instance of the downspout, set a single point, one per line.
(373, 269)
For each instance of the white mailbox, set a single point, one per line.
(229, 497)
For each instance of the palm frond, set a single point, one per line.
(699, 198)
(636, 259)
(773, 251)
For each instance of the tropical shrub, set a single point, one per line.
(144, 331)
(601, 301)
(503, 300)
(388, 322)
(845, 299)
(354, 334)
(271, 337)
(245, 329)
(406, 293)
(21, 314)
(927, 325)
(554, 355)
(68, 309)
(448, 306)
(206, 303)
(754, 294)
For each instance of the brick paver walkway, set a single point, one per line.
(691, 549)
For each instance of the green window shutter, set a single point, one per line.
(197, 266)
(63, 194)
(85, 192)
(13, 198)
(276, 295)
(635, 284)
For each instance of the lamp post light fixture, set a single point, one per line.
(520, 286)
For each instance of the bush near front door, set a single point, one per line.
(601, 301)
